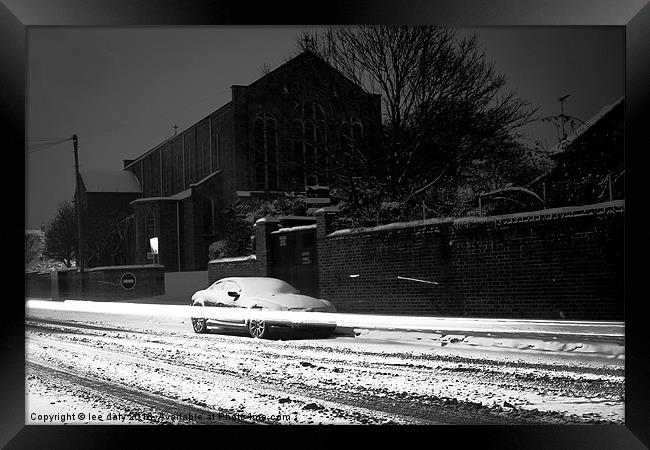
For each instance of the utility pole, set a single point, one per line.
(80, 256)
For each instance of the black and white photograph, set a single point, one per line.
(336, 225)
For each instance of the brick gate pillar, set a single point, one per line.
(324, 219)
(263, 229)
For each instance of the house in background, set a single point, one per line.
(277, 135)
(589, 165)
(106, 215)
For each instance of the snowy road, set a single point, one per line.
(116, 368)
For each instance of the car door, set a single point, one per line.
(229, 301)
(216, 295)
(228, 287)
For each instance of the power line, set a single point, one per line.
(34, 148)
(45, 145)
(47, 139)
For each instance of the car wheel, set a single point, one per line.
(258, 329)
(199, 325)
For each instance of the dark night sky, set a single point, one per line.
(122, 90)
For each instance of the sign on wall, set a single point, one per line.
(306, 257)
(127, 281)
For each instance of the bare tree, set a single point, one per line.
(443, 103)
(61, 234)
(109, 232)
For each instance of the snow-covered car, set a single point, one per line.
(262, 293)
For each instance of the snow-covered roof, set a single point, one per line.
(153, 199)
(585, 126)
(110, 181)
(181, 195)
(204, 179)
(173, 198)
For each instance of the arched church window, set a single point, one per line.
(351, 134)
(309, 140)
(265, 136)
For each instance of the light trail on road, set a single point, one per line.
(612, 331)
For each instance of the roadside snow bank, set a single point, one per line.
(604, 348)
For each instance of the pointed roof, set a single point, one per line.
(306, 56)
(561, 146)
(110, 181)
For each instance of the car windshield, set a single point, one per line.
(257, 286)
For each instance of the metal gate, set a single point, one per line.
(293, 259)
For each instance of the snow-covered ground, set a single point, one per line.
(154, 369)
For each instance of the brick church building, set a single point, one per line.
(277, 135)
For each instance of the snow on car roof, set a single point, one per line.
(262, 285)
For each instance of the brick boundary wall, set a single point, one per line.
(560, 263)
(258, 265)
(38, 285)
(246, 266)
(99, 283)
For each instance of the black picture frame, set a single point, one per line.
(18, 15)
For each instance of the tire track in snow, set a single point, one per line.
(145, 404)
(83, 359)
(260, 364)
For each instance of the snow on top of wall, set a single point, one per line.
(234, 259)
(267, 219)
(143, 266)
(110, 181)
(572, 211)
(296, 228)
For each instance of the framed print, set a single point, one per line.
(428, 199)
